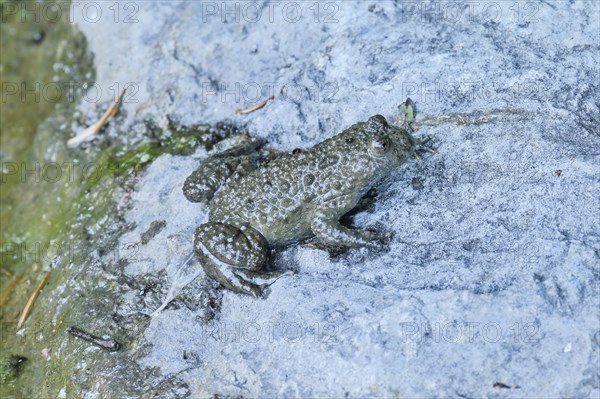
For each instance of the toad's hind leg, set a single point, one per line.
(202, 184)
(213, 172)
(234, 256)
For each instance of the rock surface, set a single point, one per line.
(490, 284)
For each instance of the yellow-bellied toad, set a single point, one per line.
(255, 204)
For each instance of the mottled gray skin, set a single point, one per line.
(256, 204)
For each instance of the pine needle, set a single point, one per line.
(9, 288)
(32, 299)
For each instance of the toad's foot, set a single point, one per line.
(421, 147)
(234, 256)
(333, 250)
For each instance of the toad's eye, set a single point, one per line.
(380, 145)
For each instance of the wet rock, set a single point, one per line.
(491, 276)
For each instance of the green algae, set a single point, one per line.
(60, 210)
(37, 205)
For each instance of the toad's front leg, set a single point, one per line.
(234, 256)
(331, 232)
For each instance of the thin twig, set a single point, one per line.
(32, 299)
(475, 118)
(9, 288)
(95, 128)
(254, 107)
(109, 344)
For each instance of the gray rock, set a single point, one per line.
(490, 285)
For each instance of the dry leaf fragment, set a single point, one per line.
(95, 128)
(254, 107)
(46, 352)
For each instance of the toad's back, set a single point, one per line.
(279, 199)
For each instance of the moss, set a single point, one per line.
(66, 223)
(41, 216)
(39, 66)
